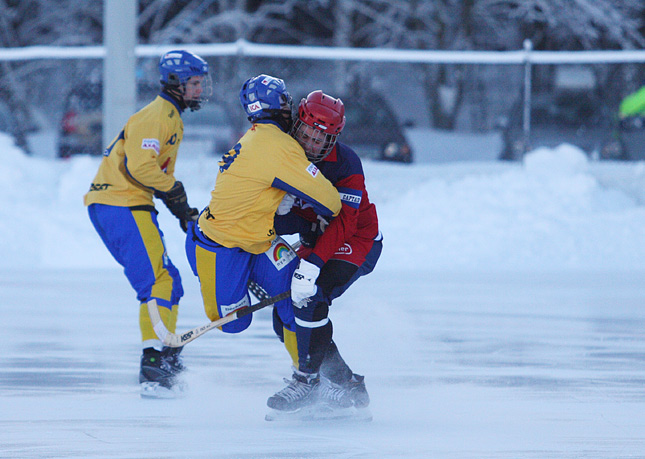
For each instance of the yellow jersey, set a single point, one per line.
(141, 159)
(253, 178)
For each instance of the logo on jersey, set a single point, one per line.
(280, 253)
(99, 186)
(254, 107)
(226, 309)
(150, 144)
(280, 250)
(345, 249)
(313, 170)
(172, 140)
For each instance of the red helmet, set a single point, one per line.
(320, 120)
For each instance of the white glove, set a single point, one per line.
(303, 283)
(286, 204)
(322, 223)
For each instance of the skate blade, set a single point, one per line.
(301, 414)
(156, 390)
(321, 414)
(351, 414)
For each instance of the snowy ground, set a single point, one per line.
(505, 319)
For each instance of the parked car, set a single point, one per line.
(8, 123)
(577, 118)
(82, 122)
(81, 130)
(373, 130)
(22, 127)
(208, 130)
(629, 136)
(81, 127)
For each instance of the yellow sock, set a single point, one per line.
(168, 317)
(291, 344)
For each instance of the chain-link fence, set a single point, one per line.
(439, 111)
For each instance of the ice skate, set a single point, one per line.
(333, 396)
(314, 399)
(357, 391)
(346, 401)
(171, 356)
(156, 377)
(296, 399)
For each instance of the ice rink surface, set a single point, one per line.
(505, 319)
(458, 365)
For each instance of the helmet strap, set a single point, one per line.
(194, 105)
(284, 119)
(177, 95)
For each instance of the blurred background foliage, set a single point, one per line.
(454, 96)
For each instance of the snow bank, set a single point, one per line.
(553, 211)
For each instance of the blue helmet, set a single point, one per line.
(266, 98)
(176, 67)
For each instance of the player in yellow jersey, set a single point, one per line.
(234, 240)
(140, 163)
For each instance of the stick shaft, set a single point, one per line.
(178, 340)
(174, 340)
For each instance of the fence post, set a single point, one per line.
(119, 81)
(526, 115)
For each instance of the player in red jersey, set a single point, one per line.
(334, 254)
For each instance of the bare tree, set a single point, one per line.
(40, 22)
(411, 24)
(491, 24)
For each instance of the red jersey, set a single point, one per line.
(350, 235)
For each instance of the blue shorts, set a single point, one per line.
(224, 273)
(135, 241)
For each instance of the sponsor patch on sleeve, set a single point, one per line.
(350, 197)
(313, 170)
(150, 144)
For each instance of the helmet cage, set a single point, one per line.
(197, 102)
(316, 142)
(325, 118)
